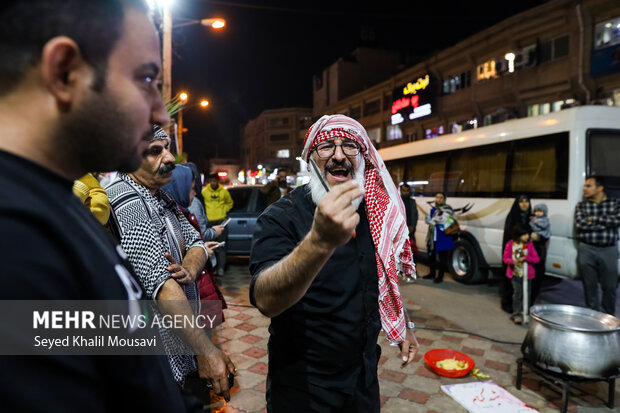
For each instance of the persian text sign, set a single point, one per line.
(412, 100)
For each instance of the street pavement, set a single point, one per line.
(466, 318)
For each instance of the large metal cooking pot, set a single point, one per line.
(573, 340)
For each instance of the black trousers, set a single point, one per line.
(539, 270)
(316, 399)
(505, 292)
(443, 263)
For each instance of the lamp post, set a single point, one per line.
(164, 6)
(184, 98)
(214, 23)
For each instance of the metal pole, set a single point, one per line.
(180, 131)
(167, 56)
(525, 294)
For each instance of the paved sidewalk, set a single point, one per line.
(413, 389)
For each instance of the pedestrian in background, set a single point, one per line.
(540, 226)
(93, 196)
(519, 257)
(520, 212)
(596, 220)
(196, 207)
(181, 188)
(325, 262)
(411, 209)
(277, 188)
(411, 213)
(438, 237)
(217, 204)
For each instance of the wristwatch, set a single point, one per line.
(410, 324)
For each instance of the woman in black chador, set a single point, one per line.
(519, 213)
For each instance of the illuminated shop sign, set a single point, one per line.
(412, 100)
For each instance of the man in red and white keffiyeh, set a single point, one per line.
(299, 285)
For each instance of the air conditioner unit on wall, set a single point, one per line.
(526, 57)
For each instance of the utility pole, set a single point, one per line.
(167, 56)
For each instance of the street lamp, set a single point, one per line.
(184, 98)
(216, 23)
(164, 6)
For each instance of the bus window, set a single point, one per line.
(428, 172)
(603, 155)
(481, 171)
(539, 166)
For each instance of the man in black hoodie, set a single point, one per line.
(78, 93)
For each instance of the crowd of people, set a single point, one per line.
(526, 236)
(79, 96)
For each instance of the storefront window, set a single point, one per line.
(374, 134)
(434, 132)
(393, 132)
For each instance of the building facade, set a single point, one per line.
(564, 52)
(274, 139)
(363, 68)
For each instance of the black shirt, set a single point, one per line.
(52, 248)
(331, 333)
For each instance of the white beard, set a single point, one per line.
(318, 192)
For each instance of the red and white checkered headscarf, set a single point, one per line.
(386, 215)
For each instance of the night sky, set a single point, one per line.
(270, 49)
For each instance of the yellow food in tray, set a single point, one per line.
(452, 364)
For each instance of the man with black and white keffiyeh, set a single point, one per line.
(167, 254)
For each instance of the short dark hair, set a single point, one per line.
(598, 180)
(214, 175)
(519, 229)
(442, 194)
(26, 25)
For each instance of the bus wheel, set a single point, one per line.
(464, 263)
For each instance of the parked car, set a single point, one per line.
(248, 203)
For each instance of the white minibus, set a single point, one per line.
(483, 170)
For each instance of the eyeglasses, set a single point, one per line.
(327, 149)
